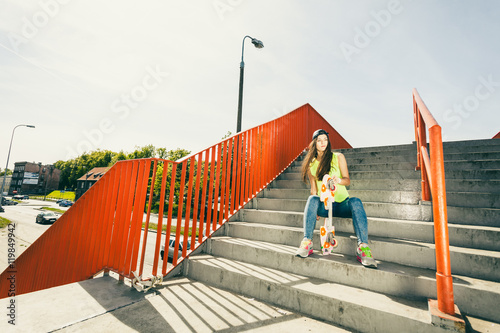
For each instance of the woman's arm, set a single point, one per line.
(312, 182)
(346, 181)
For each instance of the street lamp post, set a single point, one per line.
(258, 44)
(8, 156)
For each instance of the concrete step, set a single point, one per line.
(289, 184)
(472, 156)
(353, 159)
(448, 165)
(456, 165)
(466, 144)
(477, 199)
(488, 217)
(480, 264)
(384, 166)
(465, 185)
(372, 184)
(373, 209)
(458, 149)
(378, 149)
(408, 197)
(472, 165)
(469, 236)
(460, 199)
(409, 174)
(353, 308)
(418, 212)
(473, 296)
(452, 185)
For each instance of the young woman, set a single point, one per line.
(320, 161)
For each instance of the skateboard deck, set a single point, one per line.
(327, 231)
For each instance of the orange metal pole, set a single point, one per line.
(222, 206)
(169, 219)
(81, 214)
(148, 215)
(204, 188)
(228, 153)
(106, 190)
(210, 192)
(113, 204)
(159, 224)
(217, 204)
(138, 214)
(125, 232)
(234, 173)
(120, 215)
(179, 215)
(187, 216)
(197, 199)
(248, 185)
(94, 226)
(444, 279)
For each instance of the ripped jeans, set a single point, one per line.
(349, 208)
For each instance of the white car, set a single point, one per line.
(171, 244)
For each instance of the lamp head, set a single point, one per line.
(258, 44)
(30, 126)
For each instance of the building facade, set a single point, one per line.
(34, 178)
(87, 180)
(8, 180)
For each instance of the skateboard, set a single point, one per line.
(327, 231)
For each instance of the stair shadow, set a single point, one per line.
(200, 307)
(182, 305)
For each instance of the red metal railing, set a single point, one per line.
(433, 182)
(107, 228)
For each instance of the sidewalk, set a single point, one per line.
(178, 305)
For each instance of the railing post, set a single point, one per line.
(444, 279)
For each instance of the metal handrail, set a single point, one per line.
(433, 182)
(107, 228)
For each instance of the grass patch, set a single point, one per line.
(4, 222)
(56, 195)
(173, 229)
(57, 210)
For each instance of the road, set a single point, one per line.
(27, 230)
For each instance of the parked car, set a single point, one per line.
(46, 217)
(7, 202)
(171, 244)
(60, 200)
(26, 197)
(66, 203)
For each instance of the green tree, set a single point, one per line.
(8, 171)
(147, 151)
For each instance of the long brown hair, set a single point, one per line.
(324, 164)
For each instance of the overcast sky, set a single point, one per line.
(119, 74)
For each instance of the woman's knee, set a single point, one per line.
(312, 199)
(353, 201)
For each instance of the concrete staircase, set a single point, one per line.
(253, 254)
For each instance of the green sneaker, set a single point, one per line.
(364, 256)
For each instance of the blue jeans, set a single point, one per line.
(349, 208)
